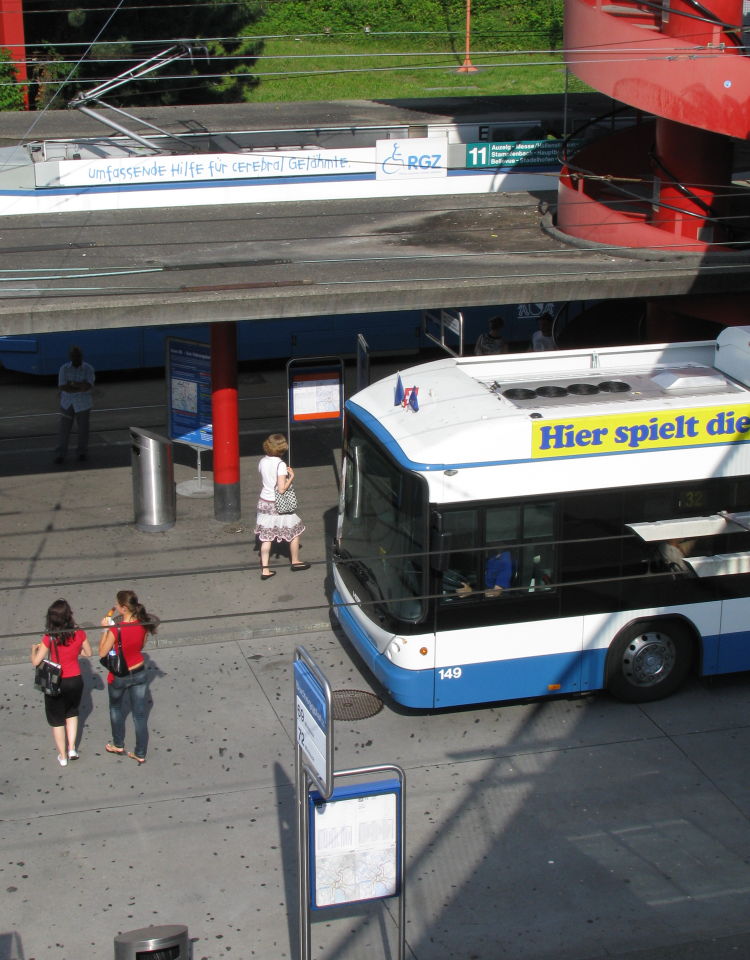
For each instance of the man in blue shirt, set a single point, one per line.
(498, 573)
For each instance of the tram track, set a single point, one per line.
(43, 426)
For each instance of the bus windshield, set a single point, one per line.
(382, 530)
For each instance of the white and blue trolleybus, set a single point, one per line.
(526, 525)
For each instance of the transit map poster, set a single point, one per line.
(189, 392)
(355, 844)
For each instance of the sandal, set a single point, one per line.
(300, 566)
(134, 756)
(267, 576)
(112, 749)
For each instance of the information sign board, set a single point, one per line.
(316, 394)
(355, 844)
(189, 392)
(518, 153)
(312, 724)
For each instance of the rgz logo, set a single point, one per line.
(398, 163)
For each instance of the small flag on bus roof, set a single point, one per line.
(413, 402)
(398, 397)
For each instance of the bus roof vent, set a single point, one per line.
(570, 392)
(690, 379)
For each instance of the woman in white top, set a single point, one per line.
(271, 525)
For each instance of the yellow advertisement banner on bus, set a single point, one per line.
(631, 432)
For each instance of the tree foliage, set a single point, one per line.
(11, 95)
(101, 39)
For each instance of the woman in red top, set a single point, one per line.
(66, 643)
(131, 623)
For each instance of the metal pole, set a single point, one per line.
(303, 856)
(303, 779)
(467, 66)
(96, 114)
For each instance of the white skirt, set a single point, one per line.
(270, 525)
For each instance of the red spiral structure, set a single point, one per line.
(666, 182)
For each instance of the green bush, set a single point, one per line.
(11, 95)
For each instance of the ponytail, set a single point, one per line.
(128, 598)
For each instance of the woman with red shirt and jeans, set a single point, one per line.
(133, 624)
(64, 643)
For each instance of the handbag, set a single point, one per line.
(286, 502)
(48, 675)
(114, 661)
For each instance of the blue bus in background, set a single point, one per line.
(133, 348)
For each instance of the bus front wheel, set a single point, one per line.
(648, 661)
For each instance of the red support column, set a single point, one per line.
(12, 37)
(226, 423)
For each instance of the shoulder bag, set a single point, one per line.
(114, 661)
(286, 502)
(48, 675)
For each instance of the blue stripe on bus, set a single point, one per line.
(508, 679)
(732, 656)
(476, 682)
(519, 679)
(412, 688)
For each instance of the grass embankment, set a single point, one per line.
(383, 68)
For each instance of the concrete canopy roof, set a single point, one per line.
(67, 272)
(259, 262)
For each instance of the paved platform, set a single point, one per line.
(69, 530)
(570, 829)
(578, 830)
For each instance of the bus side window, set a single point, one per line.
(460, 536)
(530, 528)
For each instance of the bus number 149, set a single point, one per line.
(450, 673)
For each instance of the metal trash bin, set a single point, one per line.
(154, 493)
(169, 942)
